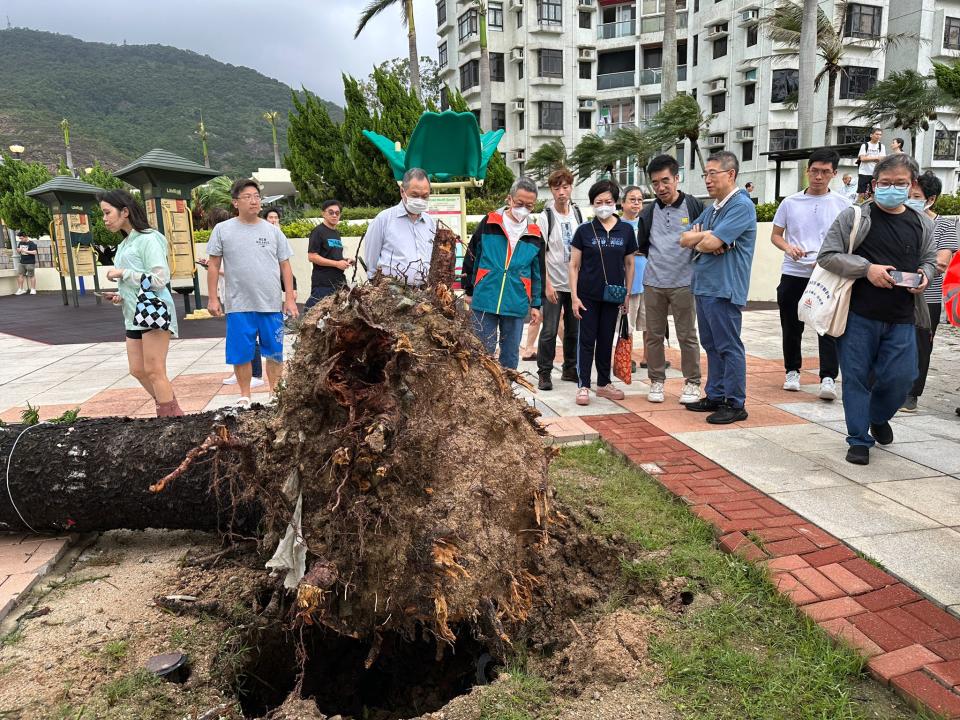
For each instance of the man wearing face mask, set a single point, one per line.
(399, 241)
(878, 350)
(503, 272)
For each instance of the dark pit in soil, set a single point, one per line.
(406, 680)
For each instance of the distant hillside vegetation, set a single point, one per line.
(122, 100)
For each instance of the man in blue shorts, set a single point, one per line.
(255, 255)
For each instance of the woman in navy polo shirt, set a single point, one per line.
(602, 254)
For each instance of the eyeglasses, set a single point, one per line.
(713, 173)
(331, 211)
(819, 173)
(885, 184)
(249, 196)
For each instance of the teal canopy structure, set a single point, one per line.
(445, 145)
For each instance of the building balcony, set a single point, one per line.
(586, 4)
(654, 23)
(547, 26)
(608, 129)
(470, 42)
(547, 80)
(610, 81)
(654, 76)
(546, 132)
(624, 28)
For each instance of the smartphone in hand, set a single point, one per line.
(906, 279)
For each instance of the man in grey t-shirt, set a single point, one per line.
(256, 255)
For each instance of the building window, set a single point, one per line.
(855, 81)
(441, 12)
(550, 12)
(696, 49)
(951, 33)
(718, 103)
(551, 115)
(719, 48)
(586, 70)
(469, 74)
(520, 122)
(467, 25)
(749, 94)
(550, 63)
(945, 145)
(746, 154)
(498, 113)
(495, 16)
(863, 21)
(678, 154)
(852, 134)
(519, 19)
(496, 67)
(442, 55)
(586, 118)
(444, 98)
(783, 140)
(752, 35)
(520, 70)
(786, 83)
(586, 22)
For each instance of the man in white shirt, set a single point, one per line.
(871, 152)
(848, 188)
(558, 221)
(799, 227)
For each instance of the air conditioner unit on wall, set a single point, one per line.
(745, 134)
(720, 84)
(516, 55)
(587, 53)
(518, 106)
(749, 15)
(520, 155)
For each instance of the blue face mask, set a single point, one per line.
(917, 204)
(890, 197)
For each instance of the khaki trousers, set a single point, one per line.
(660, 303)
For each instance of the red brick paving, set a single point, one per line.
(910, 643)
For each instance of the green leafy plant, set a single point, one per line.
(30, 416)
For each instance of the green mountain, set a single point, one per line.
(122, 100)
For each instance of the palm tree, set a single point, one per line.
(202, 133)
(668, 65)
(590, 156)
(807, 84)
(784, 26)
(680, 119)
(548, 157)
(633, 146)
(486, 117)
(905, 99)
(271, 118)
(374, 8)
(65, 127)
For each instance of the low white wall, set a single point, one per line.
(765, 273)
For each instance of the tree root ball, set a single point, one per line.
(425, 500)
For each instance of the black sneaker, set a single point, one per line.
(726, 415)
(545, 383)
(858, 455)
(909, 405)
(883, 434)
(569, 376)
(704, 405)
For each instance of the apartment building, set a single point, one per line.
(563, 68)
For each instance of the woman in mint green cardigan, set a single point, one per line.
(142, 253)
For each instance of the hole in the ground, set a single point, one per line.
(406, 680)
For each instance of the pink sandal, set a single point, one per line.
(583, 396)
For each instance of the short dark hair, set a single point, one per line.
(602, 186)
(930, 184)
(327, 204)
(892, 162)
(21, 233)
(239, 185)
(727, 161)
(661, 163)
(825, 155)
(631, 188)
(899, 142)
(560, 176)
(121, 199)
(272, 210)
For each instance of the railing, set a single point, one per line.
(654, 23)
(624, 28)
(654, 76)
(609, 81)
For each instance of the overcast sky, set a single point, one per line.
(306, 42)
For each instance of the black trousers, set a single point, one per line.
(547, 346)
(788, 297)
(924, 348)
(597, 329)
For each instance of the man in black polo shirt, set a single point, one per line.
(878, 351)
(325, 252)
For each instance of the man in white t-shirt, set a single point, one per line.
(848, 188)
(871, 152)
(558, 221)
(799, 227)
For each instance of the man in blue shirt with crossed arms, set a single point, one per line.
(724, 237)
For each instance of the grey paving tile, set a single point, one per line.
(927, 559)
(800, 438)
(938, 497)
(816, 412)
(883, 465)
(901, 433)
(938, 426)
(942, 455)
(854, 511)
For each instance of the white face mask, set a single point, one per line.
(520, 212)
(603, 211)
(416, 206)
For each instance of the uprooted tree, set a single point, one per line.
(399, 484)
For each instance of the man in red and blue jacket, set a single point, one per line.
(503, 273)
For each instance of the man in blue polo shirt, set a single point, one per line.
(723, 237)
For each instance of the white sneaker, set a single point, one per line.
(257, 382)
(243, 402)
(232, 380)
(828, 389)
(32, 291)
(792, 383)
(20, 291)
(690, 394)
(656, 393)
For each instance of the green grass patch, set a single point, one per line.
(747, 653)
(126, 687)
(521, 697)
(12, 637)
(115, 651)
